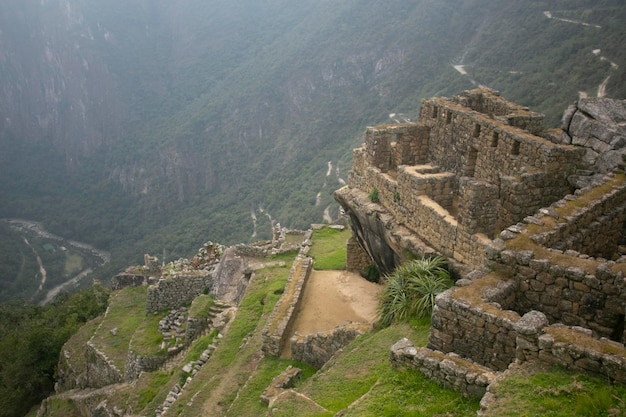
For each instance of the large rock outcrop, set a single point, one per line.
(598, 124)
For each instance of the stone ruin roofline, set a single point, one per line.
(459, 176)
(548, 286)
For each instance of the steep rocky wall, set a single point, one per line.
(598, 125)
(385, 242)
(230, 277)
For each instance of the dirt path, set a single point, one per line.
(333, 297)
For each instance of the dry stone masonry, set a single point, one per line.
(316, 349)
(276, 332)
(533, 223)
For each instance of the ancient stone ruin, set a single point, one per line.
(531, 221)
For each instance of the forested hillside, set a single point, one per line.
(152, 126)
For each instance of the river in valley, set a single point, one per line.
(91, 257)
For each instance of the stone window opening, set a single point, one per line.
(515, 147)
(449, 117)
(618, 331)
(470, 168)
(494, 139)
(435, 111)
(394, 138)
(476, 132)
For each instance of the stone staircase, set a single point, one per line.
(220, 315)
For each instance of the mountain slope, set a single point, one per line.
(160, 125)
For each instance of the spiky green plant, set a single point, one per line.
(411, 289)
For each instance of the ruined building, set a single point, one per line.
(531, 221)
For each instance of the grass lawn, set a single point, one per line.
(329, 248)
(362, 382)
(558, 393)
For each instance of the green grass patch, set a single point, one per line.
(75, 346)
(260, 299)
(57, 406)
(363, 372)
(329, 248)
(147, 340)
(247, 403)
(150, 387)
(231, 366)
(355, 371)
(127, 310)
(558, 393)
(201, 306)
(407, 393)
(199, 346)
(284, 257)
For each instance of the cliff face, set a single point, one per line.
(153, 109)
(56, 89)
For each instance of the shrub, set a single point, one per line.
(373, 195)
(371, 274)
(411, 289)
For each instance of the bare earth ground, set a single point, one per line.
(333, 297)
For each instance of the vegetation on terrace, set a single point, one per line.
(358, 381)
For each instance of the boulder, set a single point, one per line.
(598, 124)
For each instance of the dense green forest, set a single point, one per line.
(151, 126)
(30, 342)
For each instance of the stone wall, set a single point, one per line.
(316, 349)
(465, 324)
(541, 303)
(136, 364)
(126, 279)
(450, 370)
(574, 348)
(603, 216)
(276, 332)
(356, 258)
(176, 290)
(100, 371)
(470, 170)
(568, 286)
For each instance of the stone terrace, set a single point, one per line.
(531, 226)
